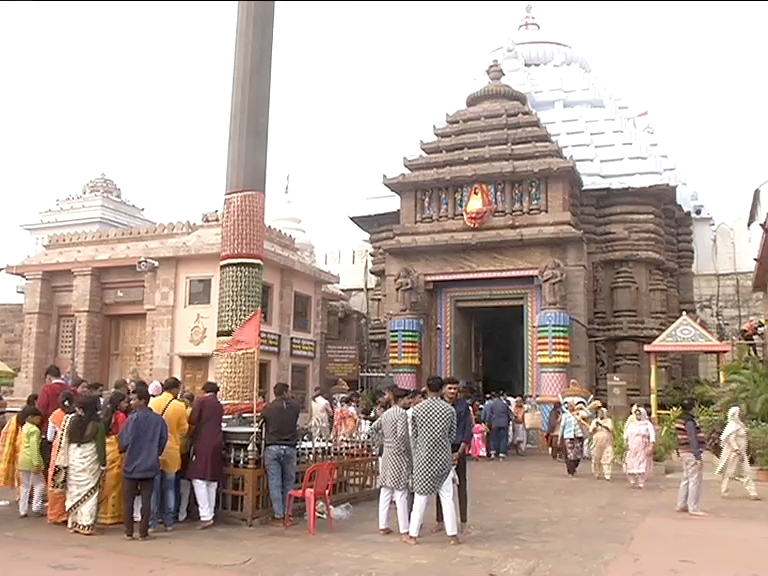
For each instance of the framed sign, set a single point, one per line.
(303, 348)
(270, 342)
(342, 360)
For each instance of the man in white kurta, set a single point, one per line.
(391, 430)
(433, 431)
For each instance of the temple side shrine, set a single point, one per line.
(684, 336)
(503, 268)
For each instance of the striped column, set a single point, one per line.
(553, 352)
(405, 352)
(243, 229)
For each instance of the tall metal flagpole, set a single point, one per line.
(243, 229)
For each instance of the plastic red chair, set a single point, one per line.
(317, 486)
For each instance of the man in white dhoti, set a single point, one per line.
(391, 431)
(433, 430)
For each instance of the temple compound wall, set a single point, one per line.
(141, 302)
(493, 214)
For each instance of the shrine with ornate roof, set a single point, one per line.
(510, 264)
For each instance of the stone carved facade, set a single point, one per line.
(624, 256)
(640, 254)
(83, 285)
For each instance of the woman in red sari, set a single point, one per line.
(57, 428)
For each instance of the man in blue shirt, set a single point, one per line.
(459, 447)
(497, 416)
(142, 440)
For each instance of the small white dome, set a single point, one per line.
(289, 222)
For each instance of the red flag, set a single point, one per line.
(247, 336)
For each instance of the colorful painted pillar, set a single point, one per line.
(243, 229)
(553, 352)
(405, 351)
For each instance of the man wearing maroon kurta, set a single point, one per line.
(205, 461)
(48, 402)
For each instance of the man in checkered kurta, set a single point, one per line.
(391, 430)
(433, 430)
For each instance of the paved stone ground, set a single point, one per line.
(527, 518)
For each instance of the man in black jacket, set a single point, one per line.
(281, 418)
(459, 447)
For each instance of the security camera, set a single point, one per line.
(147, 265)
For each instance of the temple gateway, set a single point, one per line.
(502, 268)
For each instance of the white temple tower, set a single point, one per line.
(99, 205)
(289, 222)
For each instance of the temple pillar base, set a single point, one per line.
(405, 351)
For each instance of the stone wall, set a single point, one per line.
(724, 302)
(11, 333)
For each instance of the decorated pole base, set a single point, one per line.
(235, 373)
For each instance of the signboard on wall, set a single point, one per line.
(303, 347)
(342, 360)
(270, 342)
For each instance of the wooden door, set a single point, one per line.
(461, 344)
(194, 373)
(477, 349)
(127, 337)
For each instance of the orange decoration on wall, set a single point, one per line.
(478, 205)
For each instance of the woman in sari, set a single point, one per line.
(639, 437)
(734, 460)
(572, 437)
(553, 432)
(601, 430)
(111, 496)
(79, 464)
(57, 428)
(345, 420)
(10, 447)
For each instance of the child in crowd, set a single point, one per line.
(478, 449)
(31, 463)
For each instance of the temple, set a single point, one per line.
(99, 206)
(539, 237)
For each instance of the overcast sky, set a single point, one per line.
(141, 92)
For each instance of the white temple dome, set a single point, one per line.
(102, 186)
(614, 147)
(289, 222)
(535, 49)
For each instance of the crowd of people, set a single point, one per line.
(138, 455)
(132, 457)
(575, 432)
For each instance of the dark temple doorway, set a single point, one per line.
(489, 347)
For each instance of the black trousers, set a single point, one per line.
(461, 472)
(131, 489)
(45, 450)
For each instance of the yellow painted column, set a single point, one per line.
(721, 369)
(654, 389)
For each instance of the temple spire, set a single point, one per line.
(529, 20)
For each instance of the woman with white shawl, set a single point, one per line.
(639, 438)
(734, 461)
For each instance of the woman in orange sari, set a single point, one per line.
(111, 497)
(57, 428)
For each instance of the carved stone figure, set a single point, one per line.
(518, 206)
(443, 204)
(553, 284)
(405, 285)
(198, 331)
(426, 204)
(211, 217)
